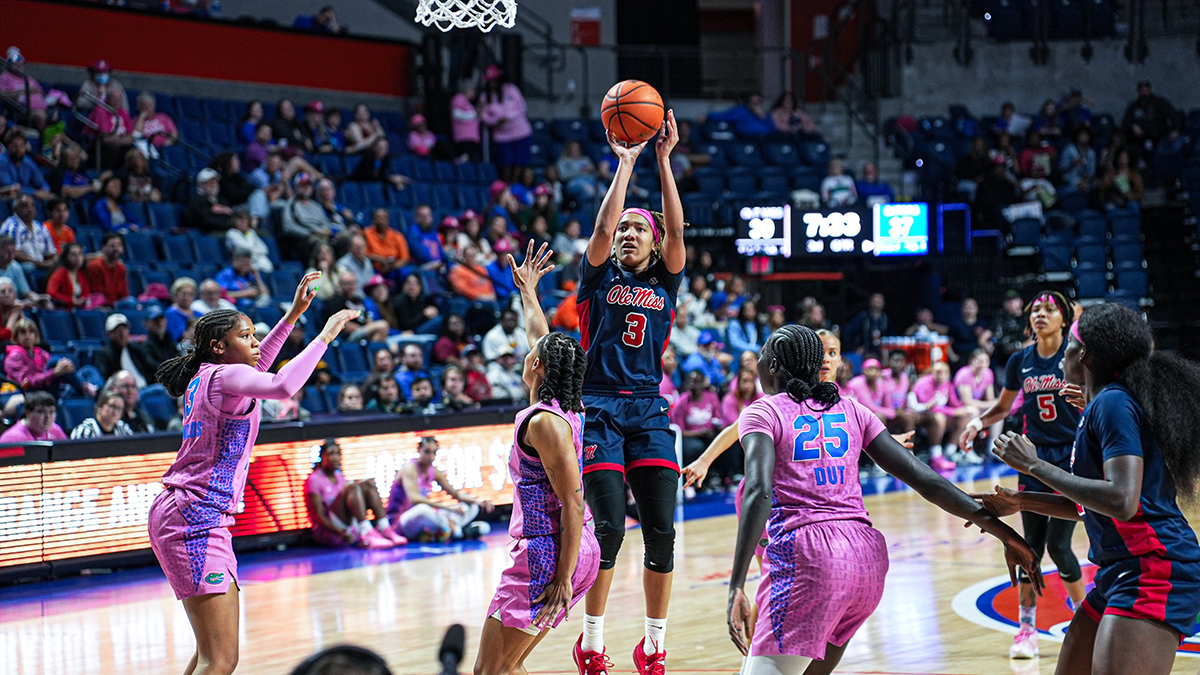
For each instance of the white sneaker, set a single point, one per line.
(1025, 644)
(971, 457)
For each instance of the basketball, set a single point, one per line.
(633, 111)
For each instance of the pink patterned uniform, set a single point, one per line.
(941, 398)
(827, 564)
(327, 490)
(189, 520)
(535, 525)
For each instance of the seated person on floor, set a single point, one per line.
(422, 519)
(338, 507)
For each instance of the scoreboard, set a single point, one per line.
(883, 230)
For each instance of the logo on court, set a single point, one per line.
(589, 452)
(214, 578)
(993, 604)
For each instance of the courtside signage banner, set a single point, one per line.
(62, 510)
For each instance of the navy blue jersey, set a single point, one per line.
(625, 322)
(1113, 425)
(1049, 419)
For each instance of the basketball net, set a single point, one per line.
(482, 14)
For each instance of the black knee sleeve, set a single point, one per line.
(1036, 528)
(605, 495)
(1058, 545)
(654, 489)
(610, 536)
(659, 549)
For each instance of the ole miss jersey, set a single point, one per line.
(1113, 425)
(625, 321)
(1049, 419)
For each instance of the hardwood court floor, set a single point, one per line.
(402, 608)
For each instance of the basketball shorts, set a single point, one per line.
(1148, 587)
(626, 432)
(1058, 455)
(195, 550)
(824, 581)
(535, 560)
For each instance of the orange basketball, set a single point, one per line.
(632, 111)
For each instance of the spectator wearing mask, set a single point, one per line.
(708, 361)
(304, 219)
(415, 311)
(505, 379)
(38, 423)
(464, 122)
(363, 130)
(697, 411)
(1078, 163)
(18, 172)
(241, 281)
(110, 208)
(106, 421)
(507, 332)
(505, 113)
(61, 233)
(356, 261)
(69, 179)
(349, 296)
(872, 190)
(99, 85)
(412, 368)
(204, 210)
(106, 274)
(118, 354)
(376, 166)
(749, 118)
(124, 383)
(158, 345)
(212, 298)
(865, 331)
(386, 248)
(837, 189)
(244, 237)
(153, 126)
(34, 246)
(1149, 119)
(68, 285)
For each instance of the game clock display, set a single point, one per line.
(884, 230)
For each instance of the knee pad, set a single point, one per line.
(1064, 559)
(609, 535)
(659, 549)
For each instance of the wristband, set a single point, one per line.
(976, 424)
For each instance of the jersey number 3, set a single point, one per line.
(1047, 411)
(635, 332)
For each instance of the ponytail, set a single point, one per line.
(176, 373)
(797, 354)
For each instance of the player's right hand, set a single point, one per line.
(624, 153)
(695, 473)
(1074, 395)
(738, 618)
(1003, 502)
(333, 327)
(967, 439)
(1017, 553)
(532, 269)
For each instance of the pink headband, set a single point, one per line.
(1047, 297)
(871, 363)
(643, 213)
(1075, 332)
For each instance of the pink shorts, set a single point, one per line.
(824, 581)
(194, 550)
(759, 550)
(534, 563)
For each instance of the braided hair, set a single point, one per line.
(796, 357)
(1121, 346)
(565, 365)
(176, 373)
(1064, 307)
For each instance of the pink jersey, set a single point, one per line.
(898, 387)
(220, 425)
(980, 387)
(536, 509)
(877, 400)
(936, 397)
(324, 486)
(816, 458)
(398, 501)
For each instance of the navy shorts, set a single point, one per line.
(625, 432)
(1148, 587)
(1058, 455)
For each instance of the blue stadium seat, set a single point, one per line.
(220, 134)
(698, 209)
(217, 110)
(487, 172)
(1072, 201)
(565, 130)
(718, 130)
(815, 153)
(1067, 19)
(350, 194)
(1125, 250)
(741, 186)
(1092, 224)
(164, 217)
(1026, 232)
(1127, 226)
(444, 172)
(717, 153)
(271, 314)
(775, 183)
(1091, 253)
(596, 130)
(137, 320)
(1131, 277)
(781, 154)
(467, 173)
(193, 132)
(1056, 257)
(711, 182)
(159, 405)
(422, 170)
(745, 154)
(190, 108)
(91, 324)
(140, 247)
(331, 164)
(58, 326)
(445, 197)
(73, 411)
(178, 248)
(1090, 281)
(210, 249)
(373, 195)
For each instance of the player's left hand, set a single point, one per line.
(1016, 451)
(739, 620)
(904, 439)
(1017, 553)
(532, 269)
(306, 290)
(667, 137)
(557, 598)
(1074, 395)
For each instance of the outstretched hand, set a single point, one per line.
(1073, 393)
(306, 291)
(624, 152)
(695, 473)
(1017, 451)
(333, 327)
(667, 137)
(532, 269)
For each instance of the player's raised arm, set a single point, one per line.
(526, 278)
(673, 252)
(600, 245)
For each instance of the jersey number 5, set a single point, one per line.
(635, 334)
(1047, 411)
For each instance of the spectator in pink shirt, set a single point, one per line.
(667, 388)
(976, 387)
(745, 392)
(873, 391)
(363, 130)
(464, 123)
(421, 141)
(155, 127)
(504, 112)
(38, 424)
(698, 413)
(115, 130)
(12, 84)
(896, 378)
(936, 403)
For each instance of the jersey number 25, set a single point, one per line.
(826, 432)
(635, 332)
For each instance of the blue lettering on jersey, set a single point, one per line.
(820, 433)
(190, 397)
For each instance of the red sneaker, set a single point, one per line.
(590, 663)
(654, 664)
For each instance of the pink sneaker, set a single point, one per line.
(373, 539)
(1025, 644)
(654, 664)
(590, 663)
(392, 535)
(941, 463)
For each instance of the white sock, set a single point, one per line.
(382, 523)
(935, 451)
(656, 635)
(363, 527)
(593, 633)
(1028, 616)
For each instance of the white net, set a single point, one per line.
(482, 14)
